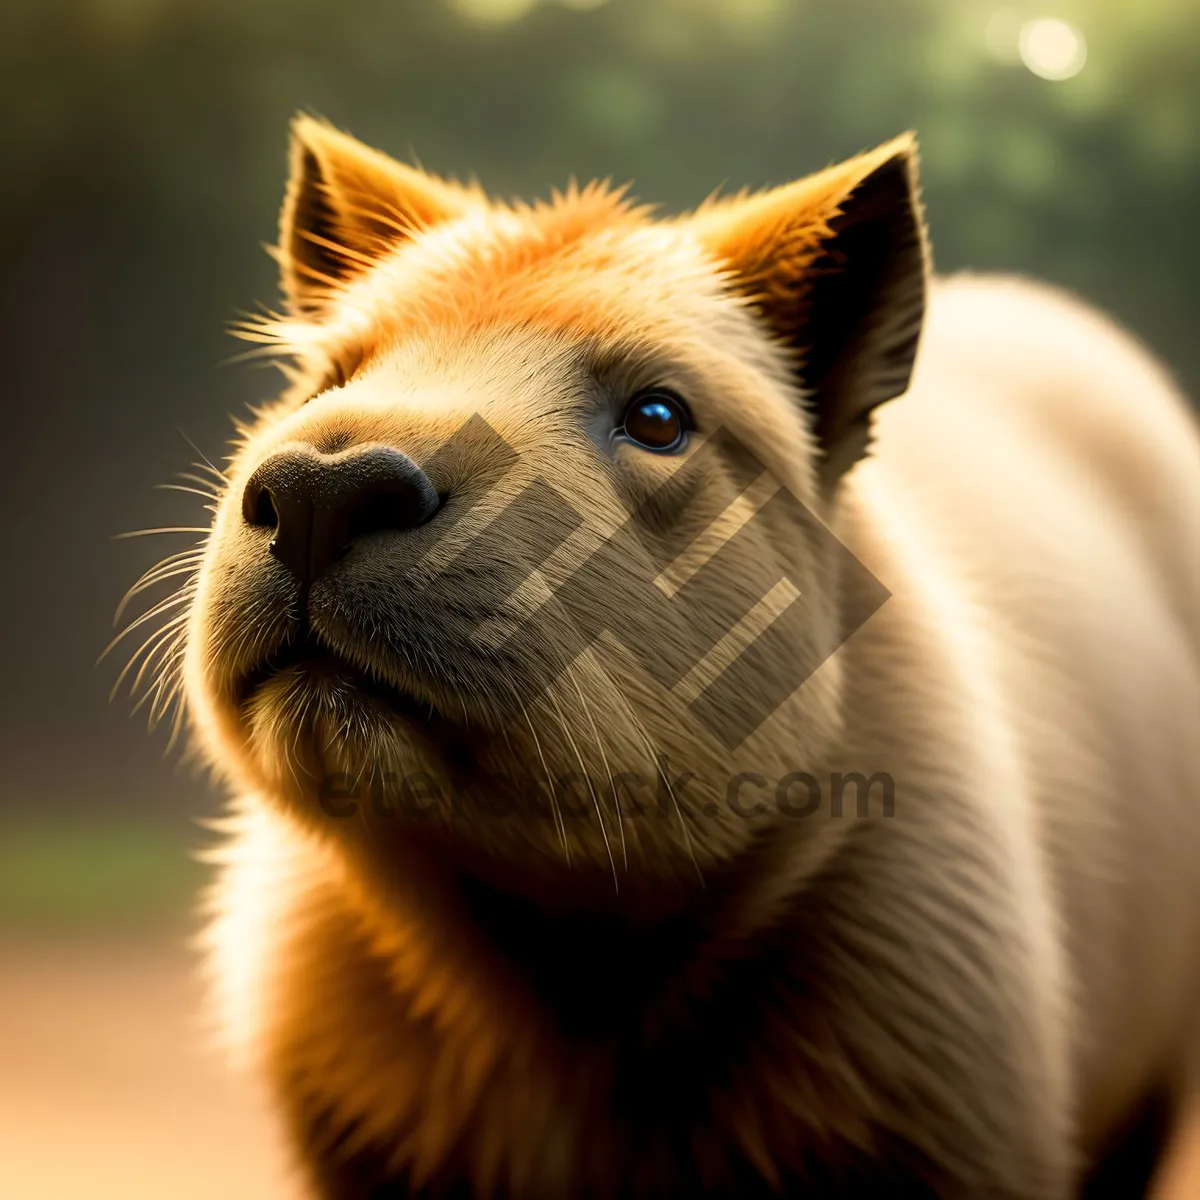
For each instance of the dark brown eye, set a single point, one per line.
(656, 420)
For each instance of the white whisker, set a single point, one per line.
(176, 598)
(587, 710)
(164, 529)
(560, 825)
(587, 779)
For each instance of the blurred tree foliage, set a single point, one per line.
(154, 129)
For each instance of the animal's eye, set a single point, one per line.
(656, 420)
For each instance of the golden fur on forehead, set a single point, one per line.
(582, 263)
(519, 265)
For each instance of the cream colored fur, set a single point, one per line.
(1035, 501)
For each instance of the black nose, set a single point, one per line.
(319, 503)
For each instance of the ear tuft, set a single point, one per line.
(837, 266)
(346, 207)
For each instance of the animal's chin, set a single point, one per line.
(401, 783)
(316, 670)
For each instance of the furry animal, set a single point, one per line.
(542, 623)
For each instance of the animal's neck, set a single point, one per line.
(601, 1018)
(597, 965)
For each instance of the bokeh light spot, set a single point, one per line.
(1052, 49)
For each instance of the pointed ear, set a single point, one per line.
(348, 205)
(836, 264)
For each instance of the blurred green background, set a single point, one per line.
(143, 163)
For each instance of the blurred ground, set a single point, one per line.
(105, 1088)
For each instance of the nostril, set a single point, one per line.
(316, 505)
(261, 510)
(405, 508)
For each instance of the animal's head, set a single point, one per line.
(470, 579)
